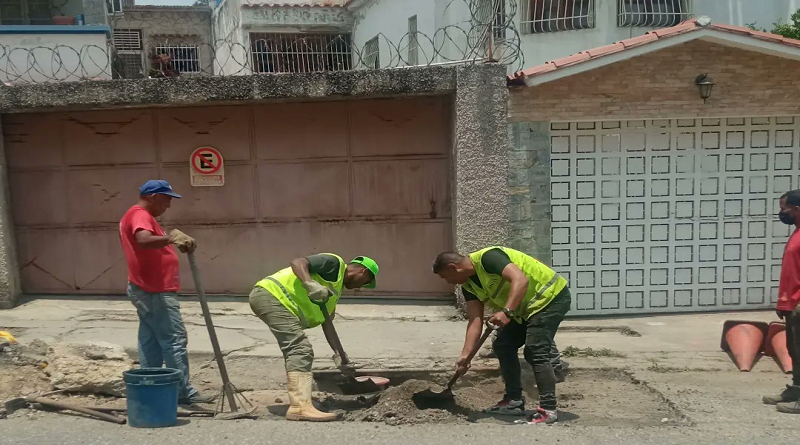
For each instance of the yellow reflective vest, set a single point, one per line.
(288, 289)
(543, 283)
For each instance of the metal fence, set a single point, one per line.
(653, 13)
(540, 16)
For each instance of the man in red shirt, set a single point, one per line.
(153, 283)
(788, 297)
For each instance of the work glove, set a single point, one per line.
(317, 293)
(185, 243)
(348, 369)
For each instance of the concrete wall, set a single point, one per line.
(389, 21)
(172, 28)
(10, 289)
(479, 161)
(661, 85)
(231, 54)
(742, 12)
(54, 57)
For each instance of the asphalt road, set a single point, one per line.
(51, 428)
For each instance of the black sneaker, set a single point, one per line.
(790, 394)
(507, 407)
(545, 416)
(196, 397)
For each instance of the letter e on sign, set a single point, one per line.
(206, 168)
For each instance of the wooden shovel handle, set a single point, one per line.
(79, 409)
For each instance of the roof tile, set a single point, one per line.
(652, 36)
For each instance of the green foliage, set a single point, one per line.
(789, 30)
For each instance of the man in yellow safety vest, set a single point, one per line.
(290, 301)
(530, 300)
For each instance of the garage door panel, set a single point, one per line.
(109, 137)
(399, 127)
(304, 190)
(231, 259)
(185, 129)
(99, 261)
(233, 201)
(32, 140)
(29, 193)
(301, 131)
(641, 227)
(407, 187)
(104, 195)
(47, 262)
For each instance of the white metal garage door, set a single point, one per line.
(671, 215)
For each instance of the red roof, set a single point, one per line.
(652, 36)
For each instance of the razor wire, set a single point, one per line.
(488, 34)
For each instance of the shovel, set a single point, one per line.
(352, 385)
(447, 394)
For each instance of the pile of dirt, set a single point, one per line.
(398, 406)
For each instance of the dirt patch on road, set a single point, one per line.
(589, 397)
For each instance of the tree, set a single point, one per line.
(788, 30)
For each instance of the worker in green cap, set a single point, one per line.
(291, 300)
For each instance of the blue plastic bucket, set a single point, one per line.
(152, 397)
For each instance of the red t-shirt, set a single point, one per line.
(789, 287)
(154, 270)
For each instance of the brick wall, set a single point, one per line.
(661, 85)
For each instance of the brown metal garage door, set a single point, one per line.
(356, 177)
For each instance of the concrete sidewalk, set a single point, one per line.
(384, 335)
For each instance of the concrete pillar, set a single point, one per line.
(10, 289)
(480, 159)
(529, 189)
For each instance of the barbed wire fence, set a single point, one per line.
(179, 41)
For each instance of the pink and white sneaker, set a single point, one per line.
(541, 415)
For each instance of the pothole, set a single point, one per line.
(588, 397)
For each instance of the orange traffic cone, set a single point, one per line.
(743, 340)
(775, 346)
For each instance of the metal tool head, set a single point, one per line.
(15, 404)
(429, 396)
(363, 385)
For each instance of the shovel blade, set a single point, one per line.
(429, 395)
(363, 385)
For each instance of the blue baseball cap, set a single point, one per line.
(157, 187)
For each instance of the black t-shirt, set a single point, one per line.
(493, 261)
(324, 265)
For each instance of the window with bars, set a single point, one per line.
(184, 58)
(653, 13)
(127, 39)
(372, 53)
(539, 16)
(300, 53)
(25, 12)
(128, 47)
(413, 42)
(114, 6)
(492, 13)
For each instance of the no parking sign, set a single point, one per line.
(206, 167)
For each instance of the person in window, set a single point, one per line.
(530, 300)
(162, 67)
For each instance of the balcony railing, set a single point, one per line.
(653, 13)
